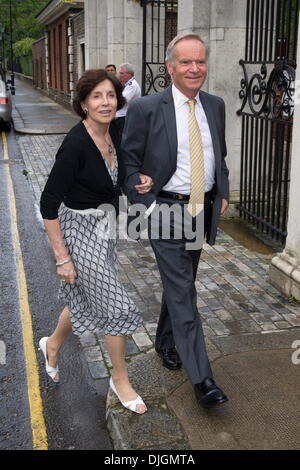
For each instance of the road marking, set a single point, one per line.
(2, 353)
(38, 426)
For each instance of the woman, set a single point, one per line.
(87, 174)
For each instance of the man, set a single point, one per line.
(112, 69)
(165, 136)
(131, 91)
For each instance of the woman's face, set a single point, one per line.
(101, 103)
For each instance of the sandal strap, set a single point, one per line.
(132, 404)
(52, 371)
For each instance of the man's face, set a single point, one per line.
(111, 70)
(188, 68)
(124, 76)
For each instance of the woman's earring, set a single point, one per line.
(85, 110)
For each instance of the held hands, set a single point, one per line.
(145, 185)
(67, 273)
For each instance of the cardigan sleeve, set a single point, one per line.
(61, 178)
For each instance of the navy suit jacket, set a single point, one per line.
(149, 146)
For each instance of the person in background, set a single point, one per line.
(112, 69)
(131, 91)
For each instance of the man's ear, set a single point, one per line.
(169, 67)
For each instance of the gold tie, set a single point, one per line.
(197, 163)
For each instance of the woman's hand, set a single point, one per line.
(146, 184)
(67, 273)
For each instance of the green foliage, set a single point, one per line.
(24, 23)
(23, 47)
(23, 18)
(26, 65)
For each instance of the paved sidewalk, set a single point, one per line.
(249, 326)
(35, 113)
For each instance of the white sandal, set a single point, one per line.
(51, 371)
(130, 405)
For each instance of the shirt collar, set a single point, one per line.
(180, 99)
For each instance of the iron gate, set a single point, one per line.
(159, 28)
(267, 108)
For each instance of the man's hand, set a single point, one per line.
(146, 184)
(224, 206)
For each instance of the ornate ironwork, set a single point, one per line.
(158, 82)
(159, 28)
(270, 96)
(267, 108)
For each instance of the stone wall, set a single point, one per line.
(285, 267)
(77, 52)
(113, 33)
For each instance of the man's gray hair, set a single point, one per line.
(171, 47)
(128, 68)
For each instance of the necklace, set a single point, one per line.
(110, 148)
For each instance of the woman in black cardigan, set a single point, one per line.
(79, 206)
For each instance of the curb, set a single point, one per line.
(158, 428)
(31, 131)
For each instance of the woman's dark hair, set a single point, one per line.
(89, 80)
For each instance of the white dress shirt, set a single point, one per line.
(180, 182)
(131, 91)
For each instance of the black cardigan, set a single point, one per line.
(79, 177)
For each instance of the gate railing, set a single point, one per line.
(159, 28)
(267, 90)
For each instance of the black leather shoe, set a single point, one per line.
(208, 394)
(170, 358)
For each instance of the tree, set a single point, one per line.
(23, 47)
(24, 23)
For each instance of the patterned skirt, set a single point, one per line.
(97, 301)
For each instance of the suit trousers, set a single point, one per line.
(180, 323)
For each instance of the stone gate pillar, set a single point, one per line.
(124, 33)
(285, 266)
(95, 33)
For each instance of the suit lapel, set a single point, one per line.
(170, 123)
(211, 119)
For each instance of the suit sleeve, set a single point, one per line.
(134, 142)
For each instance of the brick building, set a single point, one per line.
(77, 51)
(64, 24)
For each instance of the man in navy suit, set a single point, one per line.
(157, 142)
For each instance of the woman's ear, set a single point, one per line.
(84, 108)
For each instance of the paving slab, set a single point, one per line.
(263, 411)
